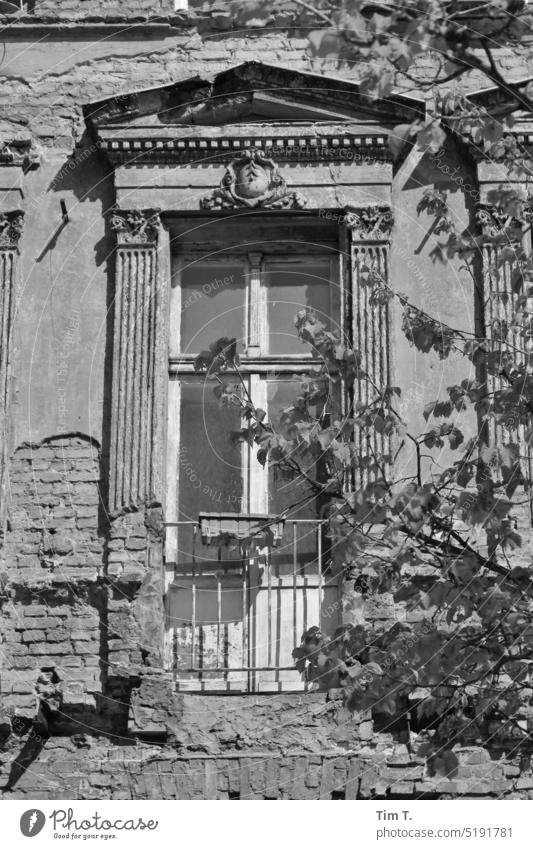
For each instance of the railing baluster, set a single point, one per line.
(193, 594)
(219, 605)
(269, 622)
(320, 587)
(294, 573)
(244, 567)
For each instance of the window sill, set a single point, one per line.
(225, 528)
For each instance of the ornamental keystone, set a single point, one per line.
(252, 180)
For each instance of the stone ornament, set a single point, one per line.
(370, 223)
(136, 226)
(20, 152)
(252, 180)
(495, 223)
(11, 224)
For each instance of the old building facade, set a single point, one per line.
(166, 181)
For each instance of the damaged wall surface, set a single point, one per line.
(94, 192)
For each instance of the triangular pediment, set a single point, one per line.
(500, 102)
(251, 93)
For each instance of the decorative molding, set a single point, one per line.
(11, 226)
(252, 180)
(348, 147)
(19, 152)
(494, 222)
(371, 334)
(140, 362)
(195, 100)
(10, 231)
(136, 226)
(369, 223)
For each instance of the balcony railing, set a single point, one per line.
(234, 616)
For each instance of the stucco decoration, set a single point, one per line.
(252, 180)
(370, 223)
(11, 224)
(140, 361)
(19, 152)
(136, 226)
(495, 223)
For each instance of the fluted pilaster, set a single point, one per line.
(500, 302)
(139, 363)
(11, 224)
(368, 232)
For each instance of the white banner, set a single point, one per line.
(362, 824)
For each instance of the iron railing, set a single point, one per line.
(235, 616)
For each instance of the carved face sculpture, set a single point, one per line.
(252, 180)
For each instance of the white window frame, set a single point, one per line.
(255, 364)
(298, 590)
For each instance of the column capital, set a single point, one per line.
(495, 222)
(11, 225)
(136, 226)
(19, 152)
(369, 223)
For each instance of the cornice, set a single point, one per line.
(303, 147)
(198, 100)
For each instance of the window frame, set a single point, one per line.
(298, 590)
(256, 367)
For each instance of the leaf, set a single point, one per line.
(431, 138)
(455, 438)
(398, 137)
(324, 43)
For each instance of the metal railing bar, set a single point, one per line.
(294, 592)
(193, 594)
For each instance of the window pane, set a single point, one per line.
(212, 305)
(290, 287)
(285, 488)
(289, 491)
(209, 466)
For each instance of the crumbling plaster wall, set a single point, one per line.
(87, 710)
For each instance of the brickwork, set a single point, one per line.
(54, 491)
(87, 709)
(85, 767)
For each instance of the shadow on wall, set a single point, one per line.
(87, 178)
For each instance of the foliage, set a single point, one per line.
(439, 539)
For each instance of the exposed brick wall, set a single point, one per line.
(50, 636)
(52, 556)
(51, 11)
(54, 495)
(87, 711)
(85, 767)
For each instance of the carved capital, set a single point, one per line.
(370, 223)
(252, 180)
(136, 226)
(494, 222)
(20, 152)
(11, 225)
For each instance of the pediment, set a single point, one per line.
(249, 100)
(500, 103)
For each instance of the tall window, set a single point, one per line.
(235, 615)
